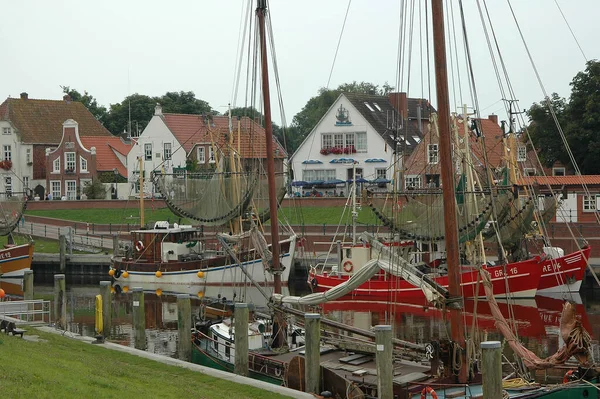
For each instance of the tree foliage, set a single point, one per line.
(315, 108)
(579, 118)
(100, 112)
(95, 189)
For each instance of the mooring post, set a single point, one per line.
(116, 245)
(312, 376)
(184, 327)
(60, 302)
(105, 287)
(139, 318)
(383, 359)
(62, 245)
(338, 244)
(28, 285)
(241, 339)
(491, 370)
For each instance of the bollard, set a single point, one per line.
(491, 359)
(184, 327)
(383, 359)
(105, 287)
(60, 302)
(312, 325)
(139, 318)
(28, 285)
(241, 339)
(62, 245)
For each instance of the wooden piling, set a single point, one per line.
(62, 249)
(116, 245)
(241, 339)
(312, 376)
(184, 327)
(491, 359)
(383, 360)
(60, 302)
(105, 287)
(28, 285)
(139, 318)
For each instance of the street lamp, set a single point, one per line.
(114, 194)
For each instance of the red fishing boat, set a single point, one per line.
(564, 273)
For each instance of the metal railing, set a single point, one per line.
(30, 311)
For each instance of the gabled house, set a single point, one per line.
(28, 128)
(422, 168)
(181, 143)
(367, 133)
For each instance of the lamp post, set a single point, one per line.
(115, 194)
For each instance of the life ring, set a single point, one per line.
(348, 266)
(428, 390)
(139, 246)
(567, 377)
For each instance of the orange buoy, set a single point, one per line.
(200, 294)
(112, 290)
(2, 293)
(126, 288)
(158, 274)
(111, 272)
(125, 274)
(200, 274)
(158, 292)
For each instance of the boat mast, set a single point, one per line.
(142, 221)
(261, 10)
(447, 174)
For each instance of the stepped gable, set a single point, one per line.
(380, 113)
(192, 129)
(108, 152)
(41, 121)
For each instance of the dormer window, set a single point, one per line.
(201, 155)
(211, 154)
(6, 130)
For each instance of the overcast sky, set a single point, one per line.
(114, 48)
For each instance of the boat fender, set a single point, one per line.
(569, 376)
(139, 246)
(348, 266)
(277, 372)
(117, 273)
(314, 282)
(430, 391)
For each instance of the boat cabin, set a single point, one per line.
(168, 243)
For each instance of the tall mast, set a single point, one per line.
(447, 174)
(261, 11)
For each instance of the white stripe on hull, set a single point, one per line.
(573, 287)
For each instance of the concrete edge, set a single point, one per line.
(292, 393)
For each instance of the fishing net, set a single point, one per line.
(11, 212)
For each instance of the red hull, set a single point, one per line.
(522, 279)
(564, 274)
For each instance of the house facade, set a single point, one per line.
(29, 127)
(364, 133)
(188, 143)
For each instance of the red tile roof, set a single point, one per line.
(561, 180)
(40, 121)
(192, 129)
(106, 152)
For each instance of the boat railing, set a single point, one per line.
(35, 311)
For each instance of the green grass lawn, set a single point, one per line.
(67, 368)
(295, 216)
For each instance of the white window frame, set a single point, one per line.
(56, 165)
(338, 140)
(361, 141)
(71, 189)
(589, 203)
(529, 172)
(381, 173)
(167, 153)
(412, 181)
(71, 161)
(521, 153)
(28, 155)
(147, 151)
(7, 152)
(326, 140)
(433, 155)
(83, 164)
(350, 140)
(55, 189)
(25, 182)
(211, 154)
(6, 130)
(201, 154)
(561, 169)
(8, 189)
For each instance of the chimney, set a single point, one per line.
(158, 109)
(24, 96)
(400, 103)
(67, 99)
(493, 118)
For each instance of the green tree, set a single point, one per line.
(88, 100)
(95, 189)
(183, 102)
(141, 108)
(580, 119)
(305, 120)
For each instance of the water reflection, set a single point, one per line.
(537, 320)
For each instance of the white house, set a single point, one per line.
(366, 132)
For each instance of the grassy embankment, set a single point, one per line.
(66, 368)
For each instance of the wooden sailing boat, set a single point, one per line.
(14, 259)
